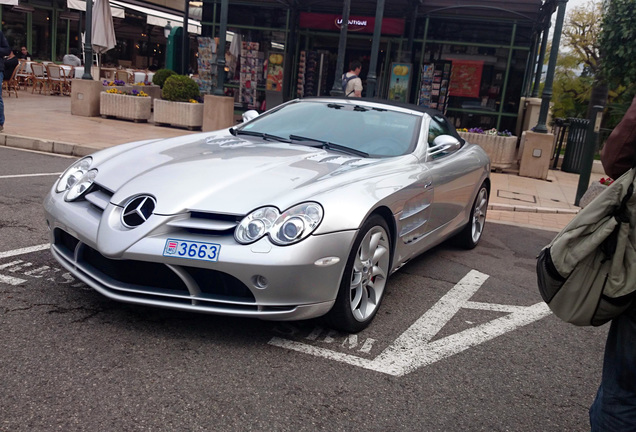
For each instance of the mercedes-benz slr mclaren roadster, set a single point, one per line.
(300, 212)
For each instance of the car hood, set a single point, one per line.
(226, 174)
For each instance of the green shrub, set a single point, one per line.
(180, 88)
(161, 75)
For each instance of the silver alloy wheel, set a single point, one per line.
(369, 273)
(479, 214)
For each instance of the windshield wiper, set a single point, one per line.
(330, 146)
(263, 135)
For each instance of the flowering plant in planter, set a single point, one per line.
(134, 92)
(113, 83)
(492, 131)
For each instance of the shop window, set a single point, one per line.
(14, 27)
(250, 55)
(41, 26)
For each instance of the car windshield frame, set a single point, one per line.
(366, 129)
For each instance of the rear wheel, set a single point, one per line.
(471, 234)
(364, 279)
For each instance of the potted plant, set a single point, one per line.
(154, 91)
(179, 105)
(114, 84)
(134, 105)
(159, 78)
(501, 146)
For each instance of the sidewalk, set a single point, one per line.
(44, 123)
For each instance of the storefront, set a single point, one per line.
(472, 62)
(50, 30)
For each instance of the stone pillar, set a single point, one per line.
(218, 112)
(528, 114)
(85, 97)
(536, 151)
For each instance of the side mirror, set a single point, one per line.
(249, 115)
(444, 144)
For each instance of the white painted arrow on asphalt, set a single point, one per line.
(413, 348)
(14, 280)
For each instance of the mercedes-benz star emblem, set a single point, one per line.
(138, 210)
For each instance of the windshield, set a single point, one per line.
(365, 129)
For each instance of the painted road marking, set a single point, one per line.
(413, 348)
(14, 266)
(11, 280)
(29, 175)
(23, 251)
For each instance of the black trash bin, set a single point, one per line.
(577, 134)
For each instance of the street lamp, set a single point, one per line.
(167, 29)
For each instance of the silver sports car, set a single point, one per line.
(300, 212)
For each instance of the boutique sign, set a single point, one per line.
(359, 24)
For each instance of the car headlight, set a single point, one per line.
(73, 174)
(256, 224)
(81, 186)
(287, 228)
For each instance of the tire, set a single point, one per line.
(364, 278)
(471, 234)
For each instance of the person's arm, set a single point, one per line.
(619, 151)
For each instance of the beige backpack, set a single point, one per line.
(587, 274)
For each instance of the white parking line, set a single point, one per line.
(414, 349)
(23, 251)
(11, 280)
(29, 175)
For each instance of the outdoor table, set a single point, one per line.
(139, 77)
(68, 70)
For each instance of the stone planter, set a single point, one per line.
(154, 91)
(592, 192)
(179, 114)
(502, 150)
(126, 107)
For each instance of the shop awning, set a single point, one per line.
(159, 18)
(116, 11)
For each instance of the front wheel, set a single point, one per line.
(365, 276)
(470, 235)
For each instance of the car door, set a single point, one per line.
(454, 175)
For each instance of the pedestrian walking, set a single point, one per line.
(614, 408)
(5, 49)
(351, 82)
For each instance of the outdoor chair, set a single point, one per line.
(123, 75)
(11, 83)
(22, 76)
(38, 77)
(57, 80)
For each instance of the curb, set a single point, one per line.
(48, 146)
(510, 207)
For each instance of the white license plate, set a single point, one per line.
(192, 250)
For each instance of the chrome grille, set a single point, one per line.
(207, 223)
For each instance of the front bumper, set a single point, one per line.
(128, 265)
